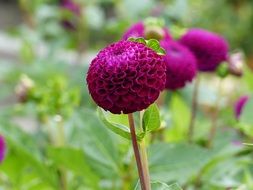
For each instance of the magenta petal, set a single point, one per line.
(239, 105)
(210, 49)
(2, 148)
(120, 78)
(181, 65)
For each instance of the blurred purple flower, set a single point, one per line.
(209, 48)
(237, 143)
(126, 77)
(2, 148)
(239, 105)
(73, 7)
(181, 64)
(138, 30)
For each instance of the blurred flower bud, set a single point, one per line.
(2, 148)
(239, 105)
(154, 32)
(150, 28)
(23, 87)
(73, 11)
(222, 70)
(181, 65)
(235, 64)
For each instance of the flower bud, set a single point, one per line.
(2, 148)
(154, 32)
(239, 106)
(222, 70)
(148, 31)
(235, 64)
(23, 87)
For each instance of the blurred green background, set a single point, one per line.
(54, 136)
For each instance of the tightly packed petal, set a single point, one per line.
(209, 48)
(2, 148)
(239, 105)
(126, 77)
(138, 30)
(180, 63)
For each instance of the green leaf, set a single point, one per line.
(161, 186)
(118, 128)
(180, 115)
(176, 162)
(132, 39)
(161, 51)
(99, 143)
(141, 40)
(151, 118)
(174, 186)
(74, 160)
(24, 157)
(153, 44)
(246, 116)
(121, 130)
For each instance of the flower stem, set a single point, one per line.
(214, 118)
(61, 142)
(193, 108)
(144, 156)
(136, 152)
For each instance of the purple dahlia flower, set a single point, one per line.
(126, 77)
(181, 65)
(239, 105)
(209, 48)
(138, 30)
(2, 148)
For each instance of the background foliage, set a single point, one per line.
(56, 137)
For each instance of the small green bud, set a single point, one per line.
(222, 70)
(23, 88)
(154, 32)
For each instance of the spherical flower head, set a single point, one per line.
(239, 105)
(126, 77)
(210, 49)
(138, 30)
(2, 148)
(181, 65)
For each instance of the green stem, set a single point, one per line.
(60, 143)
(144, 156)
(214, 118)
(136, 152)
(193, 109)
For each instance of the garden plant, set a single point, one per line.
(126, 95)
